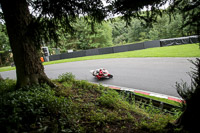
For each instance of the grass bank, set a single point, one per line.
(76, 106)
(188, 50)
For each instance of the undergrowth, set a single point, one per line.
(75, 106)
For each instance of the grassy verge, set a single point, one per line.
(75, 106)
(188, 50)
(160, 99)
(8, 68)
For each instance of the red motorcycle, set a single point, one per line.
(101, 73)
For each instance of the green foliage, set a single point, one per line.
(164, 27)
(190, 92)
(4, 41)
(36, 109)
(7, 85)
(111, 99)
(85, 36)
(5, 54)
(74, 106)
(69, 77)
(117, 32)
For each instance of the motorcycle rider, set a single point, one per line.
(100, 73)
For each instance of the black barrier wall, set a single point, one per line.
(137, 46)
(107, 50)
(152, 44)
(130, 47)
(179, 41)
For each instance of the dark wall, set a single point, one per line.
(152, 44)
(107, 50)
(179, 41)
(54, 57)
(167, 42)
(118, 49)
(92, 52)
(194, 39)
(137, 46)
(79, 53)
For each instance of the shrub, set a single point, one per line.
(35, 109)
(112, 99)
(7, 85)
(66, 77)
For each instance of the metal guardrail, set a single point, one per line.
(131, 97)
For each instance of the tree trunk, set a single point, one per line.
(29, 69)
(190, 117)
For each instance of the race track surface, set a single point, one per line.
(151, 74)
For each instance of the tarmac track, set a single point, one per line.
(150, 74)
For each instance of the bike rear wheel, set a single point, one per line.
(110, 76)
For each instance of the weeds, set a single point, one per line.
(66, 77)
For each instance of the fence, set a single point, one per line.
(124, 48)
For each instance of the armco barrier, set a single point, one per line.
(194, 39)
(185, 40)
(167, 42)
(179, 41)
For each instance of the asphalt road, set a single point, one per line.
(151, 74)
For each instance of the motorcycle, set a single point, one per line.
(101, 73)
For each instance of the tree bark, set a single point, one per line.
(190, 117)
(29, 69)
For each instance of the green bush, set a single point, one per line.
(73, 106)
(7, 85)
(35, 109)
(66, 77)
(112, 99)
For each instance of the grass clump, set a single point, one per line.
(74, 106)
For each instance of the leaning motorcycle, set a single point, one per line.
(101, 73)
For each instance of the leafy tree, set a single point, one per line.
(119, 31)
(5, 51)
(4, 43)
(84, 37)
(87, 38)
(26, 32)
(137, 32)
